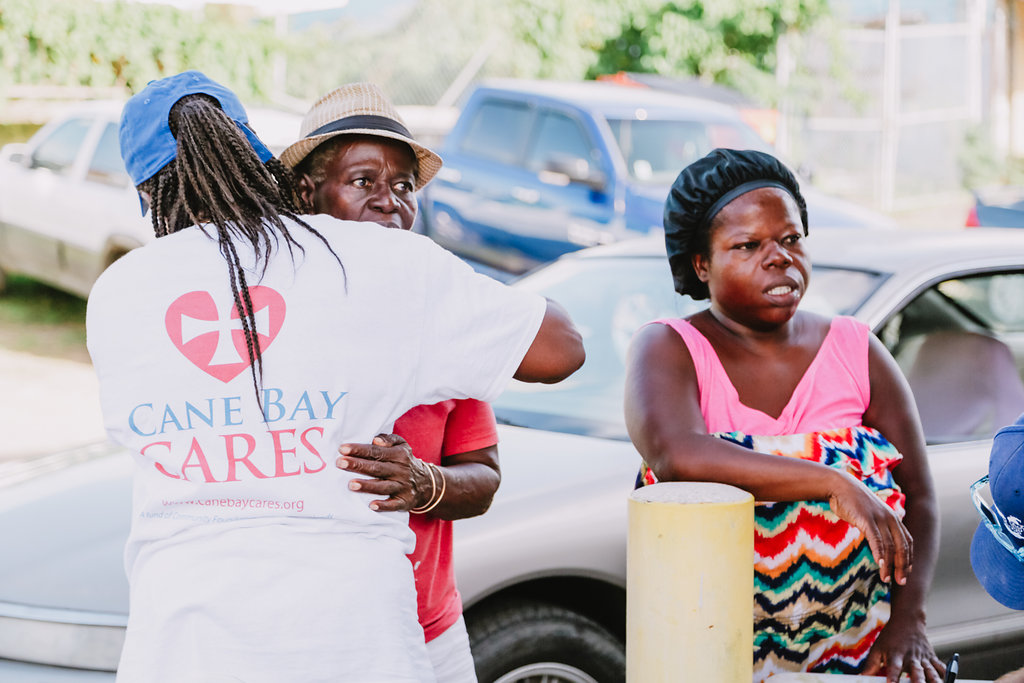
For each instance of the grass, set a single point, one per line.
(16, 132)
(38, 319)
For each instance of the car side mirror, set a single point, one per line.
(564, 170)
(16, 153)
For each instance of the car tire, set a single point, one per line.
(526, 641)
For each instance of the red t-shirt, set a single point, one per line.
(435, 432)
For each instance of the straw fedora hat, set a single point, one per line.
(357, 109)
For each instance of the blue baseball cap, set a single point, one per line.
(145, 133)
(997, 549)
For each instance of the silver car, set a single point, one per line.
(67, 206)
(542, 574)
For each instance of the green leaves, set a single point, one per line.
(103, 44)
(727, 41)
(127, 44)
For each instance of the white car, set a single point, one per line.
(68, 208)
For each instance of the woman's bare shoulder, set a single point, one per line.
(815, 321)
(657, 341)
(814, 327)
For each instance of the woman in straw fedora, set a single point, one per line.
(356, 160)
(234, 353)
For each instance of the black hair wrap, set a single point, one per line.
(701, 190)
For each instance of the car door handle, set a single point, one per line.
(525, 195)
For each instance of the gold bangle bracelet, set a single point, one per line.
(444, 483)
(433, 504)
(433, 491)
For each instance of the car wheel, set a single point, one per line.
(528, 641)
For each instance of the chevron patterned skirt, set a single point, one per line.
(818, 602)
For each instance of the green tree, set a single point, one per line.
(732, 42)
(103, 44)
(127, 44)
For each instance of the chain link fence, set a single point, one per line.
(917, 79)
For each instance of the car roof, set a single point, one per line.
(615, 101)
(882, 250)
(903, 249)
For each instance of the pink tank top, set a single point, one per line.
(833, 393)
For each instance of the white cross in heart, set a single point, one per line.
(226, 353)
(209, 333)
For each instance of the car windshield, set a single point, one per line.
(609, 299)
(654, 150)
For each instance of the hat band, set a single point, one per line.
(737, 191)
(362, 121)
(1004, 528)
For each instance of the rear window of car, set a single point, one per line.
(608, 300)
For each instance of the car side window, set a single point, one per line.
(559, 137)
(960, 344)
(58, 151)
(106, 165)
(498, 132)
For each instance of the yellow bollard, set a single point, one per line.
(689, 584)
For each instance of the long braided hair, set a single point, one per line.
(217, 182)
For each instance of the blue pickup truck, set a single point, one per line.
(535, 169)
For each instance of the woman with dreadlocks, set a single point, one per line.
(234, 354)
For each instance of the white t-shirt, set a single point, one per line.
(249, 558)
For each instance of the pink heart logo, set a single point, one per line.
(212, 338)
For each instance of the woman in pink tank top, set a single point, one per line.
(709, 398)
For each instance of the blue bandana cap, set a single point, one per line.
(145, 133)
(997, 549)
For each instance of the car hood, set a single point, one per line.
(63, 535)
(63, 591)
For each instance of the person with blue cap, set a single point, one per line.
(235, 354)
(997, 549)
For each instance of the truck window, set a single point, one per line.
(558, 136)
(59, 150)
(498, 132)
(656, 150)
(106, 165)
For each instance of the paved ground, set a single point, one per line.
(46, 405)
